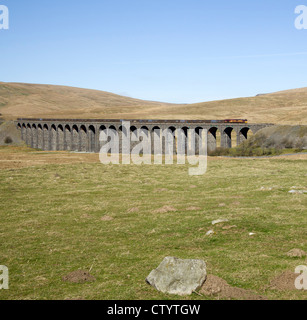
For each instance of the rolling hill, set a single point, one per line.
(49, 101)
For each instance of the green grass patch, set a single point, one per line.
(51, 225)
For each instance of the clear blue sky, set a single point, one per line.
(166, 50)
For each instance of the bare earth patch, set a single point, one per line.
(165, 209)
(107, 218)
(133, 210)
(79, 276)
(193, 209)
(284, 282)
(215, 286)
(296, 253)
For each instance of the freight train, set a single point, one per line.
(142, 121)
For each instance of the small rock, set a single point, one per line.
(210, 233)
(296, 253)
(219, 221)
(178, 276)
(266, 189)
(107, 218)
(251, 234)
(229, 227)
(298, 191)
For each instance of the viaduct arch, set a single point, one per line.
(82, 135)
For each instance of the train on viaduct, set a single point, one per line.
(82, 135)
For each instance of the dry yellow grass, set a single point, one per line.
(32, 100)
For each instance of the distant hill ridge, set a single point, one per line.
(50, 101)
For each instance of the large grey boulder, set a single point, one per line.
(178, 276)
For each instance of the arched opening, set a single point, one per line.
(92, 138)
(146, 138)
(34, 136)
(226, 138)
(182, 141)
(29, 140)
(46, 139)
(60, 138)
(199, 140)
(170, 141)
(156, 147)
(102, 136)
(134, 137)
(83, 139)
(53, 138)
(124, 140)
(75, 138)
(214, 139)
(68, 138)
(244, 134)
(40, 137)
(23, 132)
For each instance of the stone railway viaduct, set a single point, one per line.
(82, 135)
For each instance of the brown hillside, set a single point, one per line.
(32, 100)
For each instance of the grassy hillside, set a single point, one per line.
(31, 100)
(280, 137)
(270, 141)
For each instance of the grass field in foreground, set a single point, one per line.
(51, 224)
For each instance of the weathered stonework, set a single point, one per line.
(83, 135)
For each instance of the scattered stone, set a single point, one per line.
(165, 209)
(218, 286)
(298, 191)
(79, 276)
(107, 218)
(219, 221)
(266, 189)
(251, 234)
(296, 253)
(210, 233)
(284, 282)
(178, 276)
(229, 227)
